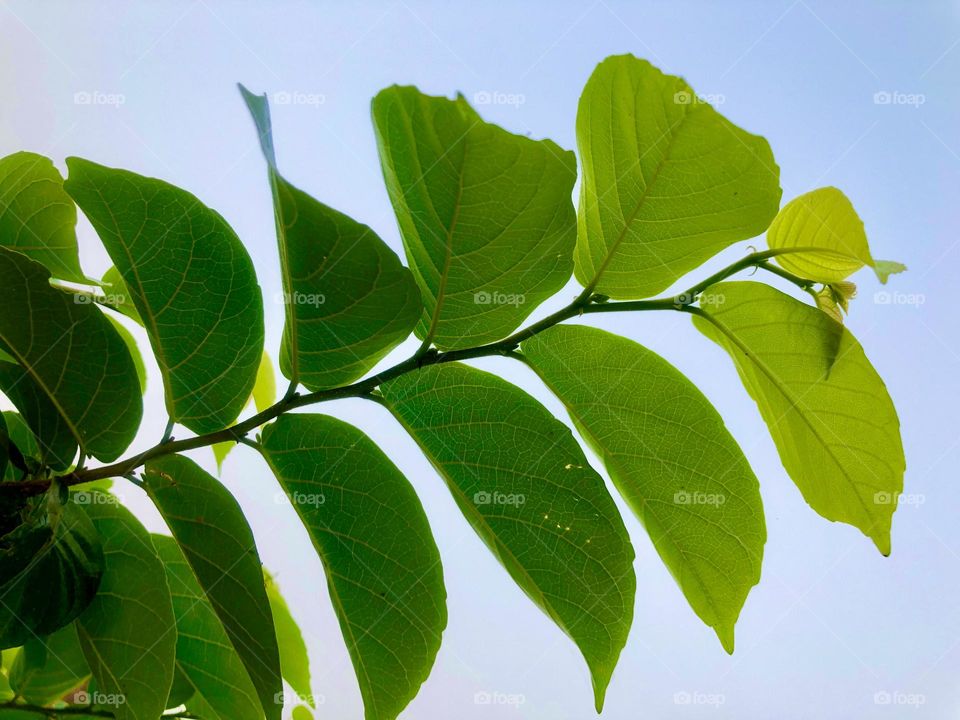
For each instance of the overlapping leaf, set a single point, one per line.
(523, 483)
(75, 361)
(192, 283)
(828, 411)
(667, 181)
(486, 216)
(670, 456)
(205, 654)
(216, 540)
(294, 661)
(47, 668)
(37, 218)
(128, 633)
(382, 565)
(348, 299)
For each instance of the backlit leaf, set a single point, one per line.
(294, 661)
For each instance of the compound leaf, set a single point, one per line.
(668, 182)
(486, 216)
(192, 283)
(382, 564)
(523, 483)
(828, 411)
(670, 456)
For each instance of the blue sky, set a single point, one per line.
(861, 95)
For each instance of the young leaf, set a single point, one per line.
(47, 668)
(348, 299)
(828, 411)
(668, 182)
(128, 632)
(523, 483)
(191, 281)
(73, 356)
(205, 655)
(486, 216)
(50, 569)
(294, 661)
(37, 218)
(382, 565)
(824, 219)
(670, 456)
(216, 540)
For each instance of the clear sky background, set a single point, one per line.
(834, 629)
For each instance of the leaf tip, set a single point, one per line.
(725, 635)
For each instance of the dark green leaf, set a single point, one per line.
(348, 299)
(828, 411)
(37, 218)
(524, 484)
(486, 216)
(205, 654)
(667, 183)
(128, 633)
(47, 668)
(22, 448)
(670, 456)
(216, 540)
(382, 565)
(53, 439)
(191, 281)
(73, 356)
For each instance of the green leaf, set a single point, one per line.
(134, 351)
(216, 540)
(73, 356)
(668, 182)
(302, 713)
(522, 481)
(23, 445)
(828, 411)
(48, 668)
(37, 218)
(205, 654)
(181, 689)
(50, 568)
(670, 456)
(5, 448)
(52, 440)
(117, 296)
(824, 219)
(128, 633)
(348, 299)
(192, 282)
(486, 216)
(294, 661)
(382, 564)
(264, 395)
